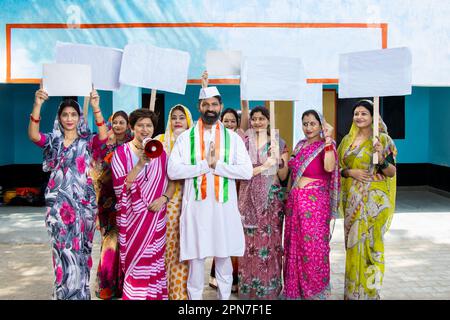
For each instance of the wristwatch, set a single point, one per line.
(383, 165)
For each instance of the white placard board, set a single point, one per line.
(67, 79)
(223, 63)
(272, 78)
(375, 73)
(105, 62)
(147, 66)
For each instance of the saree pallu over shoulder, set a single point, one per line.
(303, 156)
(256, 194)
(361, 158)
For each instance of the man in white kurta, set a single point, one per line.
(208, 227)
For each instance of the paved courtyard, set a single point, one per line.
(417, 251)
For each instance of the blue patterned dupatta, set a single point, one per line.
(54, 143)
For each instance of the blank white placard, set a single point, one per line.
(147, 66)
(375, 73)
(67, 79)
(105, 62)
(272, 78)
(223, 63)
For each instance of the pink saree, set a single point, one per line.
(307, 229)
(142, 233)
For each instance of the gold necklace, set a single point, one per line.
(137, 146)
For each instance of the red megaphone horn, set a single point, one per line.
(152, 148)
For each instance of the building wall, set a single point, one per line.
(415, 147)
(420, 25)
(427, 112)
(230, 98)
(439, 120)
(6, 125)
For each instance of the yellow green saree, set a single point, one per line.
(368, 209)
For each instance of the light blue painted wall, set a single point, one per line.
(126, 99)
(415, 147)
(439, 126)
(421, 25)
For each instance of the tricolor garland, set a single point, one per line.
(222, 137)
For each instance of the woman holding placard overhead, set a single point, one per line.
(262, 211)
(312, 203)
(368, 201)
(109, 277)
(179, 120)
(69, 196)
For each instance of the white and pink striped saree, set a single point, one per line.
(142, 233)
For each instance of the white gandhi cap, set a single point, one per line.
(208, 92)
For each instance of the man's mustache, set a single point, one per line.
(210, 117)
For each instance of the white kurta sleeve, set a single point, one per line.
(240, 167)
(177, 169)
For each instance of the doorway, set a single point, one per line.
(159, 110)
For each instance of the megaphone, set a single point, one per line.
(152, 148)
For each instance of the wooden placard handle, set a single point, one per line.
(153, 100)
(85, 108)
(376, 121)
(273, 138)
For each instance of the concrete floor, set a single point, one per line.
(417, 251)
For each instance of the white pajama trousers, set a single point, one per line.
(196, 278)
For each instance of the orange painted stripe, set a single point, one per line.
(194, 25)
(322, 80)
(22, 80)
(190, 81)
(8, 53)
(237, 81)
(384, 35)
(215, 81)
